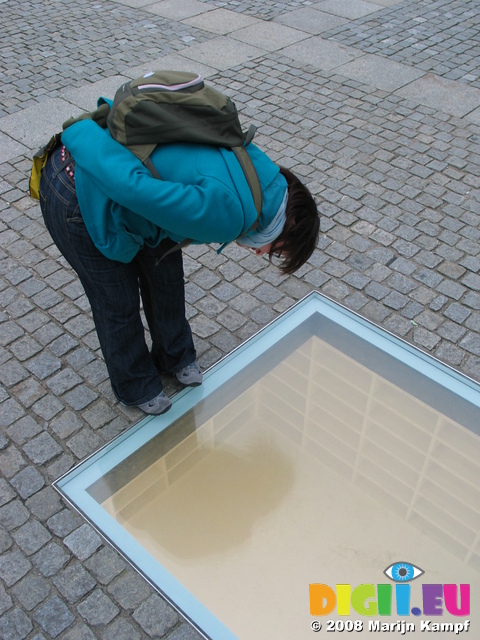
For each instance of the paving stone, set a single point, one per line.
(450, 354)
(98, 609)
(12, 374)
(98, 415)
(6, 492)
(425, 338)
(155, 616)
(10, 332)
(451, 289)
(24, 429)
(471, 342)
(50, 559)
(5, 539)
(431, 279)
(54, 616)
(15, 625)
(401, 283)
(42, 448)
(63, 523)
(473, 322)
(66, 424)
(438, 303)
(356, 280)
(74, 582)
(105, 565)
(472, 281)
(225, 341)
(395, 300)
(43, 365)
(63, 381)
(79, 632)
(129, 590)
(80, 397)
(115, 427)
(472, 300)
(397, 325)
(10, 411)
(457, 312)
(47, 333)
(5, 601)
(31, 591)
(31, 537)
(13, 566)
(412, 310)
(120, 629)
(296, 289)
(13, 515)
(184, 632)
(60, 466)
(231, 319)
(47, 407)
(44, 504)
(429, 320)
(204, 327)
(335, 289)
(96, 371)
(62, 345)
(83, 542)
(355, 301)
(451, 331)
(472, 368)
(84, 443)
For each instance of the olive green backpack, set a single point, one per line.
(168, 107)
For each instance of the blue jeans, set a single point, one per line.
(113, 290)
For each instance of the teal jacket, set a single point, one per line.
(203, 194)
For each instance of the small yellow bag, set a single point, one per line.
(39, 161)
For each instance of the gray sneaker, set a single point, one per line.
(190, 376)
(158, 405)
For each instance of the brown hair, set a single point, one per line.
(299, 237)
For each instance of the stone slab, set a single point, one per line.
(270, 36)
(173, 61)
(474, 116)
(221, 21)
(379, 72)
(10, 148)
(136, 4)
(34, 126)
(351, 9)
(222, 53)
(178, 9)
(386, 3)
(86, 97)
(455, 98)
(321, 54)
(310, 20)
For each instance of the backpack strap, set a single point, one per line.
(177, 247)
(151, 167)
(252, 180)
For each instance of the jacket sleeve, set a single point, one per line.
(205, 212)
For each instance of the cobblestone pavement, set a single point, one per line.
(376, 103)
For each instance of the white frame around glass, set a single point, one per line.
(314, 309)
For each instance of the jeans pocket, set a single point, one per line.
(75, 224)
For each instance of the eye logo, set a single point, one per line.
(371, 600)
(403, 572)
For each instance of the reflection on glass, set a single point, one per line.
(316, 469)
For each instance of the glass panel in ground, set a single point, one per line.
(322, 470)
